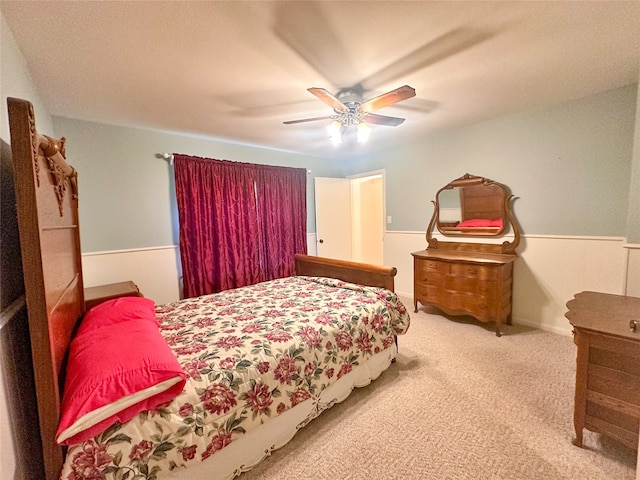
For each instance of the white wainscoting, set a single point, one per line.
(551, 269)
(156, 270)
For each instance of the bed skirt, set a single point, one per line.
(245, 453)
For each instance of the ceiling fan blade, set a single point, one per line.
(438, 49)
(291, 122)
(305, 28)
(329, 99)
(382, 120)
(389, 98)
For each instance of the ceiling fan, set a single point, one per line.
(351, 110)
(311, 31)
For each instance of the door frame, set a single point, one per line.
(369, 175)
(381, 173)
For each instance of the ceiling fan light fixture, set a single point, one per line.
(363, 133)
(334, 129)
(350, 110)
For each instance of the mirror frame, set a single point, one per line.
(507, 216)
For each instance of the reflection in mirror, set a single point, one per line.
(472, 206)
(450, 213)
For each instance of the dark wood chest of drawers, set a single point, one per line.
(607, 396)
(465, 283)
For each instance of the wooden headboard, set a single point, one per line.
(47, 205)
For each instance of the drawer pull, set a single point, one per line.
(433, 266)
(633, 325)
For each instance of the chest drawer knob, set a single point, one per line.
(633, 325)
(433, 266)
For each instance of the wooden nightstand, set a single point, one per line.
(101, 293)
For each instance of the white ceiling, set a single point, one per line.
(236, 70)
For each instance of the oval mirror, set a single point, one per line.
(472, 206)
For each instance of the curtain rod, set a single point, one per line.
(166, 156)
(169, 158)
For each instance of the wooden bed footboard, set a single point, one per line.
(354, 272)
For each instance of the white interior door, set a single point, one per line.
(333, 217)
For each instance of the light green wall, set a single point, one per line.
(127, 197)
(569, 166)
(633, 218)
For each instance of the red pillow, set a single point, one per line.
(480, 222)
(119, 365)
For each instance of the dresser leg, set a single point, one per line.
(578, 440)
(415, 306)
(581, 340)
(498, 325)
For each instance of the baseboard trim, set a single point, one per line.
(566, 332)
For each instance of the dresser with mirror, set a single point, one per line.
(472, 274)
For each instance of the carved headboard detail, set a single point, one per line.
(63, 174)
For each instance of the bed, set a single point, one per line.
(248, 367)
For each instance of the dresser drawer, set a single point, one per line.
(613, 369)
(430, 277)
(429, 293)
(432, 266)
(474, 271)
(483, 309)
(453, 302)
(431, 272)
(474, 286)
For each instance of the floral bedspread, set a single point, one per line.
(250, 354)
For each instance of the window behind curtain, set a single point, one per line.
(240, 223)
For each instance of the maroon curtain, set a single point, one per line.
(282, 209)
(232, 219)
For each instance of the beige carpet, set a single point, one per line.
(458, 404)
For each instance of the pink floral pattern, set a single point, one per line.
(250, 354)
